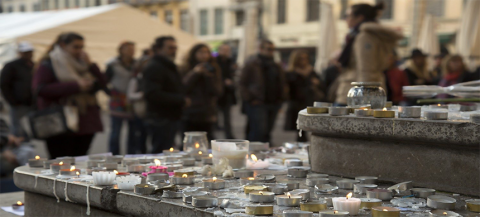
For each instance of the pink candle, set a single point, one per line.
(157, 168)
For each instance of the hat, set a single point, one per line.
(417, 53)
(25, 46)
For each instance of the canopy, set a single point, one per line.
(327, 44)
(428, 40)
(468, 38)
(104, 28)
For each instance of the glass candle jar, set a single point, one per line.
(235, 150)
(194, 142)
(364, 94)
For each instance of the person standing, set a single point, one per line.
(396, 79)
(367, 45)
(119, 72)
(416, 68)
(228, 98)
(203, 85)
(262, 87)
(16, 86)
(304, 89)
(164, 93)
(67, 76)
(455, 71)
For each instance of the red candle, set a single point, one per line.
(69, 172)
(121, 173)
(157, 168)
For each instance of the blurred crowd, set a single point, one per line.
(159, 99)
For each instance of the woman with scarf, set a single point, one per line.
(67, 76)
(454, 72)
(366, 49)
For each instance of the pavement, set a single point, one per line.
(7, 199)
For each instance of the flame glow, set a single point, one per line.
(349, 195)
(365, 109)
(197, 145)
(210, 155)
(116, 172)
(19, 203)
(146, 186)
(61, 163)
(384, 109)
(171, 149)
(385, 210)
(439, 105)
(260, 192)
(200, 152)
(184, 176)
(214, 179)
(254, 158)
(72, 168)
(37, 157)
(251, 178)
(157, 162)
(445, 213)
(335, 211)
(288, 194)
(77, 173)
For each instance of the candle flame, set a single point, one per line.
(200, 152)
(77, 173)
(439, 105)
(335, 211)
(72, 168)
(445, 213)
(197, 145)
(171, 149)
(61, 163)
(116, 172)
(210, 155)
(146, 186)
(214, 179)
(157, 162)
(184, 176)
(384, 109)
(37, 157)
(254, 158)
(365, 109)
(349, 195)
(288, 194)
(260, 192)
(385, 210)
(251, 178)
(19, 203)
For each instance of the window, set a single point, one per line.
(184, 20)
(343, 10)
(239, 18)
(435, 7)
(218, 21)
(67, 3)
(387, 12)
(281, 11)
(22, 8)
(168, 17)
(313, 10)
(203, 22)
(153, 15)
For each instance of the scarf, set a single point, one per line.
(121, 75)
(344, 58)
(68, 69)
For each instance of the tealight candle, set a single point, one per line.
(382, 194)
(304, 193)
(249, 188)
(170, 151)
(93, 163)
(326, 189)
(388, 104)
(242, 173)
(346, 183)
(289, 200)
(409, 112)
(473, 205)
(158, 168)
(173, 167)
(362, 188)
(36, 162)
(188, 161)
(441, 202)
(184, 180)
(338, 111)
(254, 163)
(366, 179)
(317, 175)
(317, 110)
(384, 113)
(144, 189)
(363, 112)
(384, 211)
(214, 183)
(332, 213)
(348, 203)
(422, 192)
(277, 188)
(47, 163)
(248, 180)
(297, 213)
(314, 205)
(369, 203)
(136, 168)
(261, 197)
(130, 161)
(198, 156)
(207, 160)
(121, 173)
(69, 172)
(293, 163)
(204, 201)
(297, 172)
(187, 196)
(70, 160)
(145, 160)
(152, 177)
(19, 206)
(259, 210)
(435, 115)
(322, 104)
(266, 177)
(439, 212)
(438, 106)
(311, 182)
(56, 167)
(172, 194)
(97, 157)
(114, 159)
(291, 184)
(109, 166)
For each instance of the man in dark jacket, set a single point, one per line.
(228, 99)
(262, 86)
(16, 86)
(164, 94)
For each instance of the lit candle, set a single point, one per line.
(78, 174)
(36, 162)
(120, 173)
(382, 194)
(214, 183)
(332, 213)
(384, 113)
(170, 151)
(56, 167)
(144, 189)
(235, 151)
(438, 106)
(254, 163)
(317, 110)
(363, 112)
(368, 203)
(384, 211)
(19, 206)
(439, 212)
(158, 168)
(198, 156)
(188, 161)
(249, 188)
(69, 172)
(207, 160)
(248, 180)
(184, 180)
(348, 203)
(289, 200)
(261, 197)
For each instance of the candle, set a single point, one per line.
(435, 115)
(184, 180)
(314, 205)
(157, 168)
(121, 173)
(259, 210)
(326, 189)
(204, 201)
(130, 161)
(385, 211)
(388, 104)
(128, 182)
(144, 189)
(170, 151)
(173, 167)
(338, 111)
(172, 194)
(422, 192)
(214, 183)
(19, 206)
(439, 212)
(114, 159)
(438, 106)
(441, 202)
(382, 194)
(69, 172)
(367, 179)
(266, 177)
(311, 182)
(36, 162)
(317, 175)
(384, 113)
(249, 188)
(145, 160)
(297, 172)
(363, 112)
(242, 173)
(249, 180)
(304, 193)
(348, 203)
(261, 197)
(47, 163)
(332, 213)
(293, 163)
(289, 200)
(409, 112)
(322, 104)
(473, 205)
(188, 161)
(136, 168)
(362, 188)
(56, 167)
(103, 178)
(187, 196)
(207, 160)
(152, 177)
(277, 188)
(97, 157)
(234, 150)
(69, 160)
(297, 213)
(317, 110)
(346, 183)
(108, 166)
(93, 163)
(369, 203)
(254, 163)
(198, 156)
(291, 184)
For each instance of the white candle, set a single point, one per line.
(254, 163)
(236, 157)
(349, 204)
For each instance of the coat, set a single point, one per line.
(16, 82)
(253, 84)
(371, 48)
(396, 79)
(228, 97)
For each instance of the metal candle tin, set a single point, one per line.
(333, 213)
(473, 205)
(367, 179)
(383, 211)
(144, 189)
(36, 162)
(259, 210)
(314, 205)
(317, 110)
(467, 108)
(97, 157)
(173, 167)
(207, 160)
(326, 189)
(382, 194)
(69, 172)
(261, 196)
(172, 194)
(204, 201)
(136, 168)
(55, 167)
(338, 111)
(187, 196)
(435, 115)
(249, 188)
(316, 181)
(242, 173)
(322, 104)
(442, 213)
(156, 177)
(291, 185)
(93, 163)
(363, 112)
(475, 118)
(70, 160)
(249, 180)
(114, 159)
(362, 188)
(109, 166)
(130, 161)
(297, 172)
(46, 164)
(346, 183)
(277, 188)
(266, 177)
(297, 213)
(214, 184)
(293, 163)
(182, 180)
(422, 192)
(409, 111)
(289, 200)
(316, 175)
(369, 203)
(304, 193)
(188, 161)
(441, 202)
(379, 113)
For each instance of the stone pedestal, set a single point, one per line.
(444, 155)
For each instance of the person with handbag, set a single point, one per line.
(67, 78)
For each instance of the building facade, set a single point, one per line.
(173, 12)
(10, 6)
